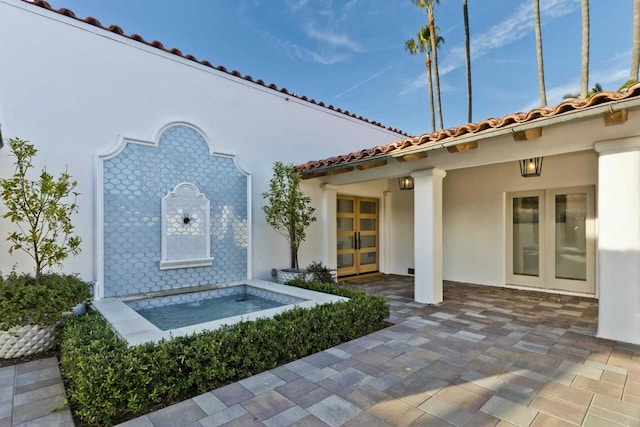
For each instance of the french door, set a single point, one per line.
(357, 240)
(551, 239)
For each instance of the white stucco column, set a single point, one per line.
(329, 227)
(427, 229)
(385, 235)
(619, 239)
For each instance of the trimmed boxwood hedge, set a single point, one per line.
(107, 381)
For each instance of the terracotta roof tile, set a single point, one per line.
(472, 128)
(158, 45)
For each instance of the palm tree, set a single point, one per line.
(428, 5)
(584, 69)
(422, 44)
(635, 50)
(536, 21)
(465, 12)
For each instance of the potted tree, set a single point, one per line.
(289, 212)
(31, 306)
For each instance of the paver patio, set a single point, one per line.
(485, 357)
(32, 394)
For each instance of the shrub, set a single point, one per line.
(108, 382)
(288, 210)
(23, 302)
(44, 231)
(321, 273)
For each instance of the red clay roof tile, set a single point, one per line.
(158, 45)
(472, 128)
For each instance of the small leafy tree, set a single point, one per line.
(37, 208)
(288, 210)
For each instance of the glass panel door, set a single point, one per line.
(525, 240)
(571, 236)
(551, 239)
(526, 236)
(346, 239)
(367, 235)
(572, 239)
(357, 240)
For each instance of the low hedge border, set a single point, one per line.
(108, 382)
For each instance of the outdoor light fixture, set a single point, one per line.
(531, 167)
(405, 183)
(1, 141)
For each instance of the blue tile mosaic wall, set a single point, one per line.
(134, 183)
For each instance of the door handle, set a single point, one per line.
(359, 241)
(355, 240)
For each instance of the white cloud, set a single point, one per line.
(514, 27)
(415, 84)
(332, 39)
(323, 42)
(421, 84)
(511, 29)
(610, 78)
(367, 80)
(295, 5)
(300, 52)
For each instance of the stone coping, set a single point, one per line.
(136, 330)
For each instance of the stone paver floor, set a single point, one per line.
(485, 357)
(32, 394)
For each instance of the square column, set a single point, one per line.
(619, 239)
(328, 223)
(427, 219)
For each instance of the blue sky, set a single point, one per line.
(350, 53)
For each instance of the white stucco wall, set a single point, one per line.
(474, 211)
(74, 90)
(619, 243)
(474, 214)
(401, 243)
(321, 246)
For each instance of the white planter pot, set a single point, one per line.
(26, 340)
(290, 274)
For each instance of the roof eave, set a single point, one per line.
(540, 122)
(587, 112)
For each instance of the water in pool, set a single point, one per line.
(205, 310)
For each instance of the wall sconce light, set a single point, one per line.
(186, 219)
(531, 167)
(405, 183)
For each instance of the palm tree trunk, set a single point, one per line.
(536, 18)
(434, 51)
(430, 84)
(635, 50)
(467, 47)
(584, 69)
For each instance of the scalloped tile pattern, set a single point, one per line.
(134, 183)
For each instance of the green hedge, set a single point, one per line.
(107, 381)
(22, 302)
